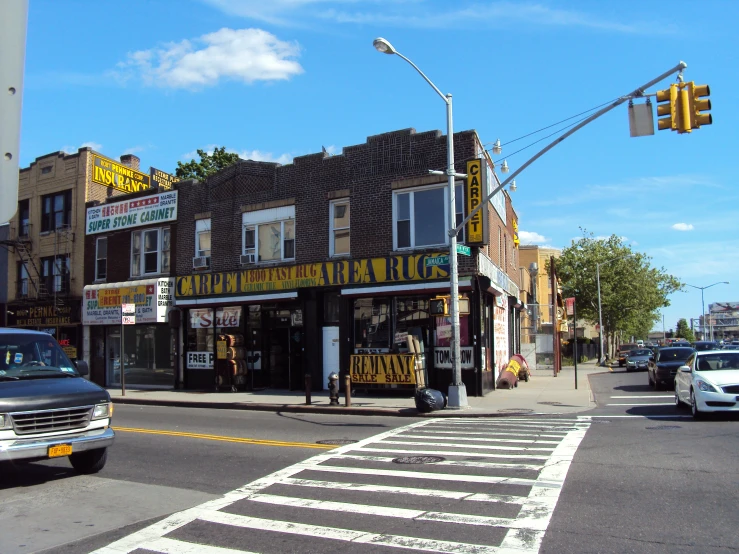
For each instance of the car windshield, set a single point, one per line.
(719, 360)
(640, 353)
(674, 354)
(27, 356)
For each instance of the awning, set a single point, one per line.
(152, 298)
(438, 286)
(245, 299)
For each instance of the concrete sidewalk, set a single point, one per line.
(543, 394)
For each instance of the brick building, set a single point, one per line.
(331, 257)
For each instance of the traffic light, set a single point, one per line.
(439, 306)
(699, 105)
(668, 107)
(683, 109)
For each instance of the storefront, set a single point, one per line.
(60, 318)
(144, 350)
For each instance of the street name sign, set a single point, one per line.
(464, 250)
(437, 260)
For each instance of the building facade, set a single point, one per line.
(308, 268)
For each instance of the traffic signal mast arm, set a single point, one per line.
(636, 94)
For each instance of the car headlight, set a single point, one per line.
(704, 386)
(102, 411)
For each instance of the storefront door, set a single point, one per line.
(113, 357)
(279, 358)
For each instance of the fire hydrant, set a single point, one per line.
(333, 389)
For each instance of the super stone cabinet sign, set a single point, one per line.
(157, 208)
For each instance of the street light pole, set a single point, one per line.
(703, 306)
(457, 397)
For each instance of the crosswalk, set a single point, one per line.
(640, 400)
(462, 485)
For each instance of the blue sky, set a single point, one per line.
(273, 79)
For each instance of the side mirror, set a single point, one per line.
(685, 369)
(82, 367)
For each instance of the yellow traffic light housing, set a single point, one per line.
(667, 106)
(699, 105)
(683, 109)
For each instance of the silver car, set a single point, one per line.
(638, 359)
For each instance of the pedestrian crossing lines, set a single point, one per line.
(491, 487)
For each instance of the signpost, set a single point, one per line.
(128, 317)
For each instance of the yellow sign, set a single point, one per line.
(383, 368)
(111, 174)
(393, 269)
(70, 351)
(221, 350)
(113, 298)
(475, 230)
(516, 240)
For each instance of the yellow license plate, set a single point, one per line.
(60, 450)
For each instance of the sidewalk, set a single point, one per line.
(543, 394)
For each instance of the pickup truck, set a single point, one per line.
(47, 408)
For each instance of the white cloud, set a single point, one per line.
(73, 149)
(134, 150)
(683, 226)
(246, 55)
(256, 155)
(416, 13)
(531, 237)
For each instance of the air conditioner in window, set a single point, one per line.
(247, 259)
(201, 262)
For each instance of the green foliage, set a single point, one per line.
(208, 164)
(683, 331)
(631, 290)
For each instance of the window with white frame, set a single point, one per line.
(202, 237)
(269, 235)
(339, 228)
(421, 216)
(101, 259)
(150, 252)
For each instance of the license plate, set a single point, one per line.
(60, 450)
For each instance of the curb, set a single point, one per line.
(343, 410)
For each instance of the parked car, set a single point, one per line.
(706, 345)
(664, 365)
(623, 350)
(709, 382)
(638, 359)
(47, 409)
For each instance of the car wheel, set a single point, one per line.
(90, 461)
(697, 414)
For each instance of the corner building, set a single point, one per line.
(311, 263)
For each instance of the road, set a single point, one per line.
(633, 475)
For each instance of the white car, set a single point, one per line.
(709, 382)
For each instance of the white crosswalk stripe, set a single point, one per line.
(497, 480)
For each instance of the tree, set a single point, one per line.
(208, 164)
(632, 291)
(683, 331)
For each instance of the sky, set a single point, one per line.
(274, 79)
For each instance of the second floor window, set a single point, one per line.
(56, 210)
(202, 237)
(421, 216)
(150, 252)
(24, 218)
(339, 228)
(55, 274)
(22, 279)
(101, 259)
(269, 235)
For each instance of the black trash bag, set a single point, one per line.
(429, 400)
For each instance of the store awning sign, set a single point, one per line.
(110, 173)
(102, 304)
(157, 208)
(383, 368)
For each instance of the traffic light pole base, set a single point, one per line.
(457, 397)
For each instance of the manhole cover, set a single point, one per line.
(662, 427)
(516, 410)
(418, 460)
(336, 442)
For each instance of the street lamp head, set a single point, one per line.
(382, 45)
(513, 186)
(504, 167)
(497, 148)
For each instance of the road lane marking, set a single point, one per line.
(463, 434)
(644, 396)
(260, 442)
(469, 447)
(171, 546)
(530, 441)
(642, 404)
(452, 453)
(456, 463)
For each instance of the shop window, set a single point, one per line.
(372, 321)
(411, 317)
(331, 307)
(150, 252)
(202, 327)
(339, 228)
(268, 235)
(420, 216)
(24, 218)
(56, 211)
(22, 280)
(202, 238)
(55, 274)
(101, 259)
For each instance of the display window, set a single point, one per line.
(372, 323)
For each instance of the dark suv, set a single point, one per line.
(47, 409)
